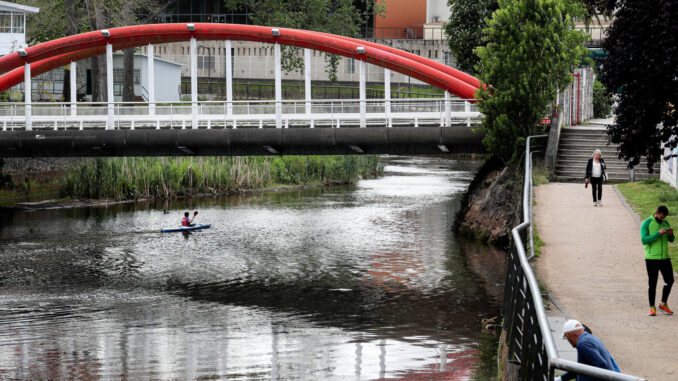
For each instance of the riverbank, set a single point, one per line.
(124, 179)
(490, 206)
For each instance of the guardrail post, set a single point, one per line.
(229, 78)
(194, 82)
(28, 89)
(307, 79)
(387, 96)
(278, 87)
(109, 86)
(363, 103)
(448, 110)
(74, 88)
(151, 80)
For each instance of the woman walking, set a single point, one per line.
(595, 174)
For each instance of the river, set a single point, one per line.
(364, 281)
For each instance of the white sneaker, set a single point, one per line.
(600, 203)
(595, 203)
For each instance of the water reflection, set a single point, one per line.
(355, 282)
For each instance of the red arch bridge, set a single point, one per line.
(307, 126)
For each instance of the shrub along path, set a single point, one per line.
(593, 263)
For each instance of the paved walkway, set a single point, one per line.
(593, 263)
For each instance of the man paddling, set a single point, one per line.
(186, 221)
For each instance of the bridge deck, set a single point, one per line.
(240, 141)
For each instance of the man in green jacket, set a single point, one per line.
(656, 233)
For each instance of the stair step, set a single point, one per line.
(609, 163)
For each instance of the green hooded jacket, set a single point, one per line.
(656, 245)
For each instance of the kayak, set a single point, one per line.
(186, 229)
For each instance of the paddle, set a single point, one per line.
(195, 214)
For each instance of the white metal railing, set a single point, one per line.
(211, 114)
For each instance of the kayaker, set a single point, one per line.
(188, 221)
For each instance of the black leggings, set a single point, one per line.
(597, 185)
(654, 266)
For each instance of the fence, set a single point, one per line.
(295, 90)
(528, 335)
(210, 114)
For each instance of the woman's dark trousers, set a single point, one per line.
(597, 186)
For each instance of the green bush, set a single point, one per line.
(602, 100)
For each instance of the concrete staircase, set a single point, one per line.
(576, 146)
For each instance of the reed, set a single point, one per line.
(165, 177)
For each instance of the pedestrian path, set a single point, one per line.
(593, 263)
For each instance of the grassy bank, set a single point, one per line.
(645, 196)
(154, 177)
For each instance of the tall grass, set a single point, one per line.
(161, 177)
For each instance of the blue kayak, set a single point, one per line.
(186, 229)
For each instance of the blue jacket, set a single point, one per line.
(591, 351)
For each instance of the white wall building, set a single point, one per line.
(437, 11)
(167, 78)
(668, 172)
(13, 26)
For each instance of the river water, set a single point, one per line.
(352, 282)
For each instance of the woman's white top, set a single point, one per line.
(596, 171)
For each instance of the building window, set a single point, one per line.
(350, 65)
(5, 22)
(17, 23)
(436, 53)
(117, 80)
(206, 62)
(429, 54)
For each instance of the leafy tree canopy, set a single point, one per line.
(531, 52)
(642, 61)
(464, 30)
(329, 16)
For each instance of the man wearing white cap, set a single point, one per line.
(590, 350)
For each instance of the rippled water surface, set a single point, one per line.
(354, 282)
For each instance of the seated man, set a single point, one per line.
(590, 350)
(188, 221)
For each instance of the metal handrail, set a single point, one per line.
(554, 361)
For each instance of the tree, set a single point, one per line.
(329, 16)
(642, 62)
(464, 30)
(531, 52)
(60, 18)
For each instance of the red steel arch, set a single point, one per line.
(52, 54)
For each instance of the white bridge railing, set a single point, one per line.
(288, 113)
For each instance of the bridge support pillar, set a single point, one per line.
(109, 86)
(448, 110)
(194, 82)
(74, 88)
(151, 79)
(229, 78)
(307, 79)
(28, 89)
(363, 103)
(387, 96)
(278, 88)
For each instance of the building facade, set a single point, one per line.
(13, 26)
